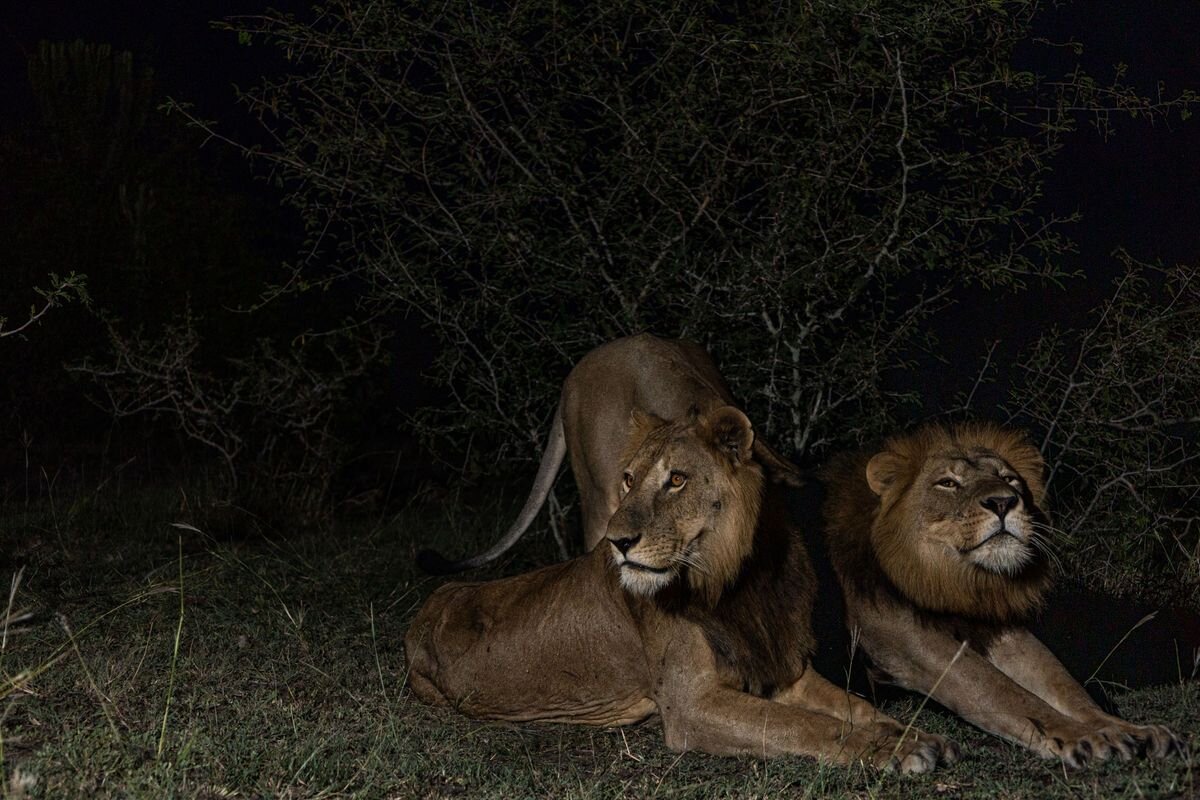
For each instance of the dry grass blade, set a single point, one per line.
(1104, 661)
(908, 728)
(9, 617)
(162, 735)
(105, 700)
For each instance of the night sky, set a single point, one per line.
(189, 58)
(1138, 189)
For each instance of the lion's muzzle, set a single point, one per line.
(624, 543)
(1000, 504)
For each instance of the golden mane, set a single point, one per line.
(724, 555)
(871, 538)
(746, 580)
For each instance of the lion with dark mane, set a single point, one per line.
(696, 606)
(937, 541)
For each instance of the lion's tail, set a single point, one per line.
(435, 563)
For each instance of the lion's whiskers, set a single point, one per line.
(692, 560)
(1044, 531)
(1039, 540)
(1048, 552)
(1048, 528)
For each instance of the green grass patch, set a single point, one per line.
(288, 679)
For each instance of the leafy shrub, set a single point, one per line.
(1117, 409)
(797, 186)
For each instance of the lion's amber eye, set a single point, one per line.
(948, 483)
(1014, 480)
(677, 479)
(628, 482)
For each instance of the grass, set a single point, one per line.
(279, 672)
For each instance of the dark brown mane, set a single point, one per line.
(871, 550)
(760, 628)
(849, 511)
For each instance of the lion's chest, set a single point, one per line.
(761, 631)
(759, 659)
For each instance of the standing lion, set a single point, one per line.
(593, 425)
(937, 542)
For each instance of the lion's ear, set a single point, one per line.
(730, 430)
(883, 469)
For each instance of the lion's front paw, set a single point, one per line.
(1154, 741)
(1127, 740)
(912, 752)
(947, 750)
(1112, 738)
(1078, 749)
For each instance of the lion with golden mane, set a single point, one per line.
(695, 607)
(937, 541)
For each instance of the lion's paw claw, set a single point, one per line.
(1121, 740)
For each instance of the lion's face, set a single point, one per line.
(688, 494)
(959, 524)
(971, 505)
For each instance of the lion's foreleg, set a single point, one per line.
(931, 662)
(1019, 655)
(700, 713)
(817, 694)
(724, 721)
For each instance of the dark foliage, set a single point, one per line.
(490, 190)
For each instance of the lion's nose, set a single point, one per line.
(625, 543)
(999, 504)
